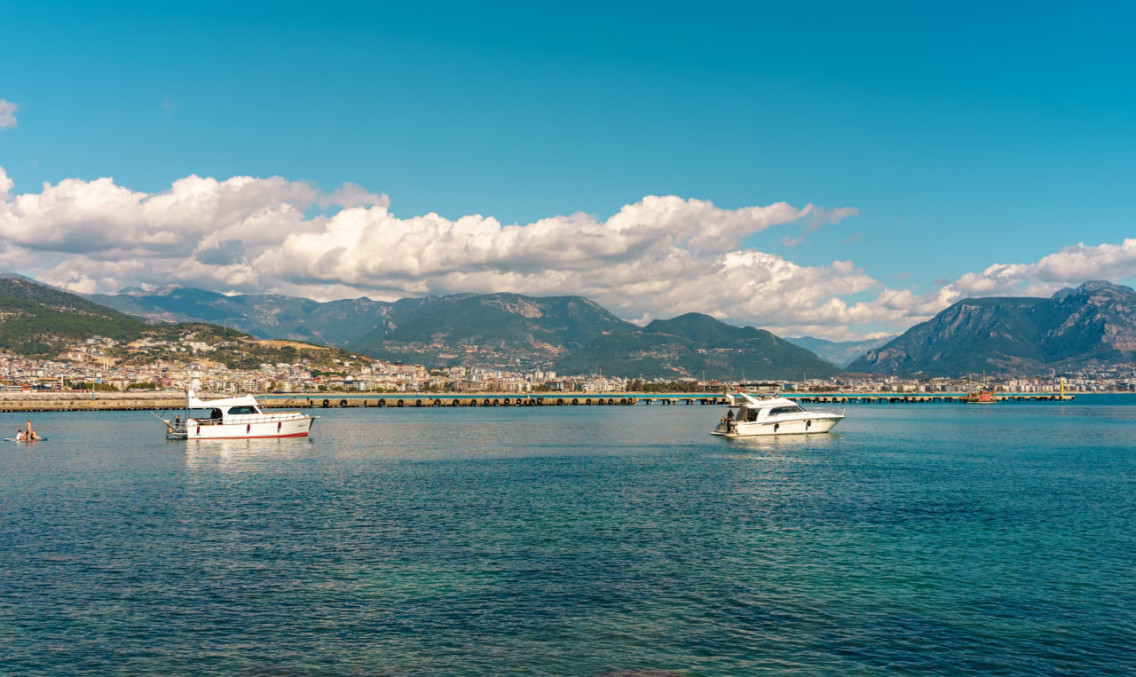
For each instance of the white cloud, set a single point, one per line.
(1068, 267)
(655, 258)
(6, 185)
(1071, 265)
(7, 114)
(658, 257)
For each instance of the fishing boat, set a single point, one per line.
(234, 418)
(982, 395)
(750, 416)
(978, 393)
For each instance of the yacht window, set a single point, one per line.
(236, 411)
(785, 410)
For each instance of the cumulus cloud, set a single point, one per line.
(1067, 267)
(7, 114)
(224, 254)
(657, 257)
(1070, 265)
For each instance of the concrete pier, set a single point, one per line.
(86, 401)
(101, 401)
(920, 398)
(172, 400)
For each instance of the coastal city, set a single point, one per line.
(589, 339)
(87, 366)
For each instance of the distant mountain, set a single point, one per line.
(40, 321)
(694, 345)
(840, 353)
(1092, 324)
(505, 331)
(570, 334)
(264, 316)
(494, 330)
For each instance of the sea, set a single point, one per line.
(916, 539)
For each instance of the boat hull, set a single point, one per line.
(803, 426)
(299, 426)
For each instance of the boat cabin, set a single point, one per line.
(230, 410)
(752, 409)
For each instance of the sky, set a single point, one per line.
(840, 170)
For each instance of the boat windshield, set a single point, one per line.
(238, 411)
(785, 410)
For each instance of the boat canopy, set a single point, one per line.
(244, 401)
(745, 399)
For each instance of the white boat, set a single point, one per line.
(751, 416)
(235, 418)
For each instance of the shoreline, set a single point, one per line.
(175, 400)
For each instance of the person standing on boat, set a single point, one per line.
(730, 421)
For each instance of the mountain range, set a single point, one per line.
(496, 330)
(1092, 325)
(37, 320)
(40, 321)
(568, 334)
(696, 345)
(840, 353)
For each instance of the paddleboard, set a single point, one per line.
(13, 439)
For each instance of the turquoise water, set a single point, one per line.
(915, 539)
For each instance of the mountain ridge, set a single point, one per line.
(1092, 324)
(42, 321)
(840, 353)
(568, 334)
(695, 345)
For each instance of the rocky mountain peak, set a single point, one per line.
(1093, 287)
(1092, 324)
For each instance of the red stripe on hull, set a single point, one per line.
(250, 437)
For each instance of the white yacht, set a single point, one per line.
(772, 415)
(234, 418)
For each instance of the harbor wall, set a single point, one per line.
(103, 401)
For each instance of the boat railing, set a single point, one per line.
(238, 419)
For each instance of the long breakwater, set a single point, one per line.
(101, 401)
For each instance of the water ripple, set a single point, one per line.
(594, 542)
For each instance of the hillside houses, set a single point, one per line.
(87, 365)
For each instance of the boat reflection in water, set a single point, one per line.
(781, 448)
(245, 455)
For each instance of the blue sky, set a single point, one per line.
(966, 135)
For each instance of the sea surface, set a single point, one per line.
(915, 539)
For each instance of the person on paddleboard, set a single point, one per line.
(31, 435)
